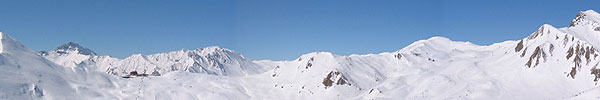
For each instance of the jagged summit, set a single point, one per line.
(68, 55)
(545, 29)
(74, 47)
(585, 26)
(586, 18)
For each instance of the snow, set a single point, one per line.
(551, 63)
(210, 60)
(1, 35)
(26, 75)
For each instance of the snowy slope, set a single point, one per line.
(551, 63)
(25, 75)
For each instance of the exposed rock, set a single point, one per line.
(550, 49)
(327, 81)
(572, 73)
(519, 46)
(537, 54)
(523, 54)
(342, 81)
(577, 19)
(309, 63)
(596, 73)
(335, 77)
(570, 52)
(578, 52)
(275, 71)
(537, 33)
(565, 40)
(74, 47)
(587, 55)
(399, 56)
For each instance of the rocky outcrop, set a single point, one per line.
(537, 54)
(577, 19)
(519, 46)
(579, 53)
(335, 78)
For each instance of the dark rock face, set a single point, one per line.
(577, 19)
(524, 51)
(596, 73)
(327, 81)
(275, 71)
(570, 53)
(519, 46)
(537, 54)
(565, 40)
(75, 47)
(580, 53)
(399, 56)
(309, 63)
(537, 33)
(335, 77)
(551, 48)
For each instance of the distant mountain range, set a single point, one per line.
(551, 63)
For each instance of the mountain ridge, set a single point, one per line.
(550, 63)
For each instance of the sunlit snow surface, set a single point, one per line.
(551, 63)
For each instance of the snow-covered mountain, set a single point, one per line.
(68, 55)
(210, 60)
(25, 75)
(551, 63)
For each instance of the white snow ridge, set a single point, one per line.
(551, 63)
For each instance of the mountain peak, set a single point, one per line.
(214, 50)
(7, 43)
(71, 46)
(585, 17)
(590, 12)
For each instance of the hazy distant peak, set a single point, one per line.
(71, 46)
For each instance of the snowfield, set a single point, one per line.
(551, 63)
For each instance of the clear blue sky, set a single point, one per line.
(275, 29)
